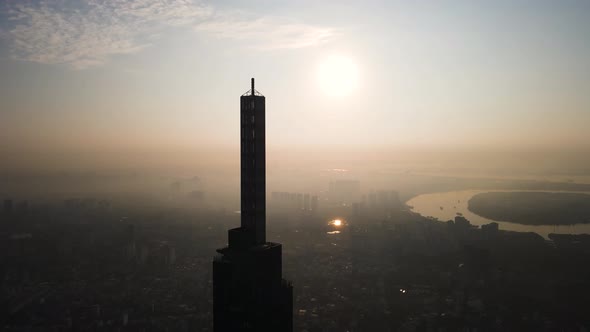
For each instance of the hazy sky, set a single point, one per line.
(167, 74)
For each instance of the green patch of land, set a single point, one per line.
(533, 208)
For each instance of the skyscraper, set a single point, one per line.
(249, 293)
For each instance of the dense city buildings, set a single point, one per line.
(149, 268)
(249, 293)
(293, 204)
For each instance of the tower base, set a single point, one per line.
(249, 292)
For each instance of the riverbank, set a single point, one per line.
(445, 206)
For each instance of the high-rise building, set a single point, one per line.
(314, 203)
(372, 201)
(249, 292)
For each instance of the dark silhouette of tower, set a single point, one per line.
(249, 293)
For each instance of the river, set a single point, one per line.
(445, 206)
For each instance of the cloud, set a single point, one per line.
(87, 33)
(266, 33)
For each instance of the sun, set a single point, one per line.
(337, 75)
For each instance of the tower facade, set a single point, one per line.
(249, 293)
(253, 165)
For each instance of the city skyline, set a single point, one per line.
(396, 166)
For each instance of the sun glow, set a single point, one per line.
(337, 75)
(337, 222)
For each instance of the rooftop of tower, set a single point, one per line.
(252, 91)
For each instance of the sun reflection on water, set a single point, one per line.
(335, 225)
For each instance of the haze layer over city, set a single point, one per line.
(425, 164)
